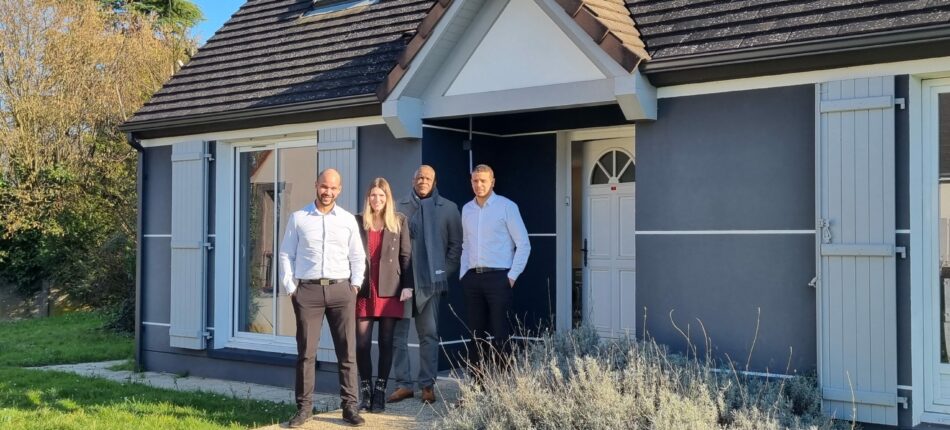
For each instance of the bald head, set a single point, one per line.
(423, 181)
(328, 185)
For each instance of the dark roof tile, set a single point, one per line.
(267, 55)
(683, 27)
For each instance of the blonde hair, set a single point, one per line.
(389, 214)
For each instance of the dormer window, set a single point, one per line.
(323, 8)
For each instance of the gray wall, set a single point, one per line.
(732, 161)
(382, 155)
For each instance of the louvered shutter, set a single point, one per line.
(337, 148)
(188, 247)
(856, 254)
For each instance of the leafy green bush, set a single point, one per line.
(577, 381)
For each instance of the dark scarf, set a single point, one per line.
(428, 242)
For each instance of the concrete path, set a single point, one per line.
(409, 414)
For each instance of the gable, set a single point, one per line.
(524, 48)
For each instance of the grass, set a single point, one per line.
(65, 339)
(34, 399)
(577, 381)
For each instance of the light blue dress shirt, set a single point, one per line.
(494, 236)
(318, 245)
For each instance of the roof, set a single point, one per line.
(270, 66)
(266, 55)
(677, 28)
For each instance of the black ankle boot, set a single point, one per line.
(379, 396)
(366, 394)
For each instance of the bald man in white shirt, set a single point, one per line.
(495, 251)
(322, 265)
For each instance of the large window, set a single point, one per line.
(272, 182)
(943, 137)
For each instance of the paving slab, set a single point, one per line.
(409, 414)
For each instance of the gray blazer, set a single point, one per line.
(395, 264)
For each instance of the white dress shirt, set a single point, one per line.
(494, 236)
(318, 245)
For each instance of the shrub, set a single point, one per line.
(577, 381)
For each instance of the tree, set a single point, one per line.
(177, 14)
(70, 73)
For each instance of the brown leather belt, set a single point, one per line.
(322, 281)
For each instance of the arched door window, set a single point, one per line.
(616, 166)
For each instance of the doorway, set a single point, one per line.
(603, 234)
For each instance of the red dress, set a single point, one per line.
(375, 306)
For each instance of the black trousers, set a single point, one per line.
(338, 302)
(488, 298)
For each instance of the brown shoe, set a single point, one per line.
(399, 395)
(428, 396)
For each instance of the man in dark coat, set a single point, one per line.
(435, 227)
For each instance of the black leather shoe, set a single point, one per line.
(379, 396)
(366, 395)
(352, 415)
(300, 418)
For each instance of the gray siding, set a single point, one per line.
(732, 161)
(382, 155)
(742, 160)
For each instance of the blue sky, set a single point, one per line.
(216, 13)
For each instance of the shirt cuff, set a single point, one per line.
(290, 285)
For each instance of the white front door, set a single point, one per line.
(609, 257)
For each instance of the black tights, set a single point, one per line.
(364, 347)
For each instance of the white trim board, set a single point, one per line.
(267, 134)
(926, 68)
(719, 232)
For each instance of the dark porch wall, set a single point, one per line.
(525, 171)
(732, 161)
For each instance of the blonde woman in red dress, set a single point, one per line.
(388, 282)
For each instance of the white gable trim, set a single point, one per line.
(547, 53)
(423, 92)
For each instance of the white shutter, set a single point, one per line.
(188, 245)
(856, 301)
(337, 148)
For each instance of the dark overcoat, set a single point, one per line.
(395, 264)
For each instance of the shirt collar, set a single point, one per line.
(488, 201)
(312, 209)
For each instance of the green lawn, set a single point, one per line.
(34, 399)
(64, 339)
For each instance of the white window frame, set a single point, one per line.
(283, 343)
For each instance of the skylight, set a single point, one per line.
(323, 7)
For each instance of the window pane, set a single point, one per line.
(256, 242)
(629, 173)
(943, 125)
(607, 160)
(297, 172)
(622, 159)
(599, 176)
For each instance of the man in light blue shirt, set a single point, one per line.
(322, 265)
(495, 250)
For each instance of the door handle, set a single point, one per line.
(584, 250)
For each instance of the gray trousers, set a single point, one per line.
(427, 327)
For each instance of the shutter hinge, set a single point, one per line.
(208, 245)
(901, 251)
(900, 102)
(208, 157)
(825, 228)
(901, 400)
(813, 283)
(209, 335)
